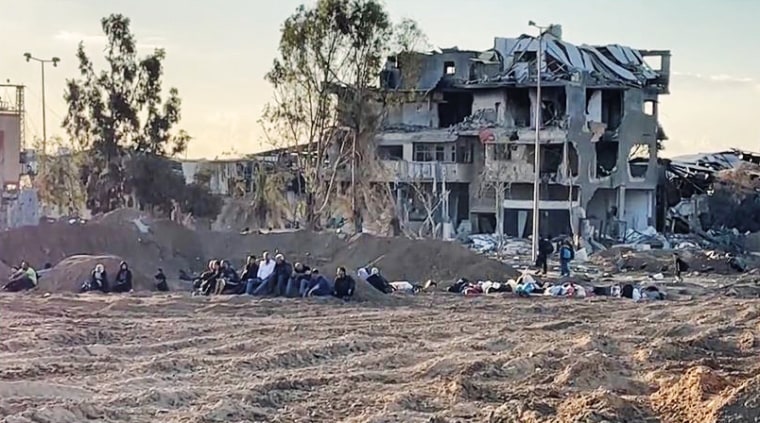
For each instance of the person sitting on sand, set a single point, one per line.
(282, 272)
(229, 281)
(251, 269)
(123, 281)
(344, 285)
(160, 277)
(301, 272)
(207, 282)
(98, 280)
(315, 286)
(23, 279)
(261, 285)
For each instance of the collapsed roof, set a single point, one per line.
(512, 61)
(698, 172)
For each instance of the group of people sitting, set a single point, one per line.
(99, 281)
(272, 277)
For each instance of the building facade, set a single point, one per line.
(463, 126)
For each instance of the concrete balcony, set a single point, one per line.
(406, 171)
(519, 171)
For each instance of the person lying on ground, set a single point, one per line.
(301, 272)
(378, 281)
(344, 285)
(160, 277)
(98, 280)
(123, 281)
(23, 279)
(315, 286)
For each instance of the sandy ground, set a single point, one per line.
(433, 358)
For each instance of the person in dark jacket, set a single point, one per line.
(316, 286)
(209, 278)
(228, 281)
(251, 269)
(344, 285)
(123, 281)
(160, 277)
(679, 265)
(281, 275)
(98, 280)
(301, 272)
(545, 249)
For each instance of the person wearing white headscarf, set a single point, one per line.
(98, 280)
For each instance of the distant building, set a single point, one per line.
(466, 119)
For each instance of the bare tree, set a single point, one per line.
(58, 184)
(494, 180)
(327, 103)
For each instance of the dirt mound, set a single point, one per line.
(687, 400)
(601, 406)
(594, 369)
(68, 275)
(152, 243)
(740, 405)
(419, 260)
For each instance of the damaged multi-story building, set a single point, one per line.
(463, 121)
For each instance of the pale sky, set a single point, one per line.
(218, 53)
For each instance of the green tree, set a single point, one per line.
(329, 55)
(118, 115)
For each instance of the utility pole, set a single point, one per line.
(537, 144)
(42, 62)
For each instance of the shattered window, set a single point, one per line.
(464, 155)
(423, 153)
(449, 68)
(440, 153)
(502, 152)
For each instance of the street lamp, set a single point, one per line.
(537, 144)
(54, 61)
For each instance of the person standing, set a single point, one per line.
(566, 254)
(545, 248)
(679, 265)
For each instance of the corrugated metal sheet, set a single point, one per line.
(623, 64)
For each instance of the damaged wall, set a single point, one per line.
(418, 113)
(490, 105)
